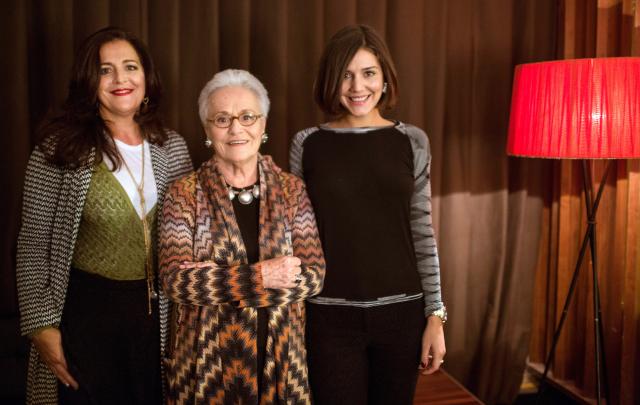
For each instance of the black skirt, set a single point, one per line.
(111, 343)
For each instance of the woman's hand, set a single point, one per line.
(433, 348)
(281, 272)
(48, 343)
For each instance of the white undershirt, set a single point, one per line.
(132, 156)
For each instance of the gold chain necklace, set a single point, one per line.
(151, 291)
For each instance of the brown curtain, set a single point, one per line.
(455, 60)
(593, 28)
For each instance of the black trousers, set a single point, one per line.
(364, 355)
(111, 343)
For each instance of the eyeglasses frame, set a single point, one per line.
(233, 117)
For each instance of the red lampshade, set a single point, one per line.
(576, 109)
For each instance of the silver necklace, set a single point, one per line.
(245, 195)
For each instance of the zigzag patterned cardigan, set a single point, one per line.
(52, 208)
(213, 357)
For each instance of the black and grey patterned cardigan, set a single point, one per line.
(52, 208)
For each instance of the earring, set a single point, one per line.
(208, 143)
(145, 100)
(265, 138)
(384, 87)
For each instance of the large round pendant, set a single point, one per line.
(245, 197)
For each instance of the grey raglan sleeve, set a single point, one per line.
(421, 221)
(297, 149)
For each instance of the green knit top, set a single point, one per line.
(111, 238)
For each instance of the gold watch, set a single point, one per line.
(440, 313)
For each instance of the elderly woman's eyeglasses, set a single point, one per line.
(224, 120)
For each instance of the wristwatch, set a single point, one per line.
(440, 313)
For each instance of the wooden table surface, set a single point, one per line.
(441, 389)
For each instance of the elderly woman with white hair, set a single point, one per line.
(239, 252)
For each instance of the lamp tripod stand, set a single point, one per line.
(590, 240)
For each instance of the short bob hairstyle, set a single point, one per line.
(336, 57)
(232, 78)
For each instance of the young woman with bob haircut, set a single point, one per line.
(380, 315)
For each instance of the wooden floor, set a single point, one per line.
(441, 389)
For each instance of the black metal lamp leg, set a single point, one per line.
(563, 316)
(605, 376)
(589, 238)
(592, 207)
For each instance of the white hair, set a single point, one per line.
(232, 78)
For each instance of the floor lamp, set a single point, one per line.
(578, 109)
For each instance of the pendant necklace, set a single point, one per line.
(245, 195)
(151, 290)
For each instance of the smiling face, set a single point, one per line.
(236, 145)
(361, 87)
(122, 81)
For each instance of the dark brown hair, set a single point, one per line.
(68, 138)
(336, 57)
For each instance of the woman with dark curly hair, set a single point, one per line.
(86, 268)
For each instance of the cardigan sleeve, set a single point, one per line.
(307, 247)
(179, 158)
(421, 221)
(43, 182)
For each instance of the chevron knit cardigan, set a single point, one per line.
(52, 208)
(214, 352)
